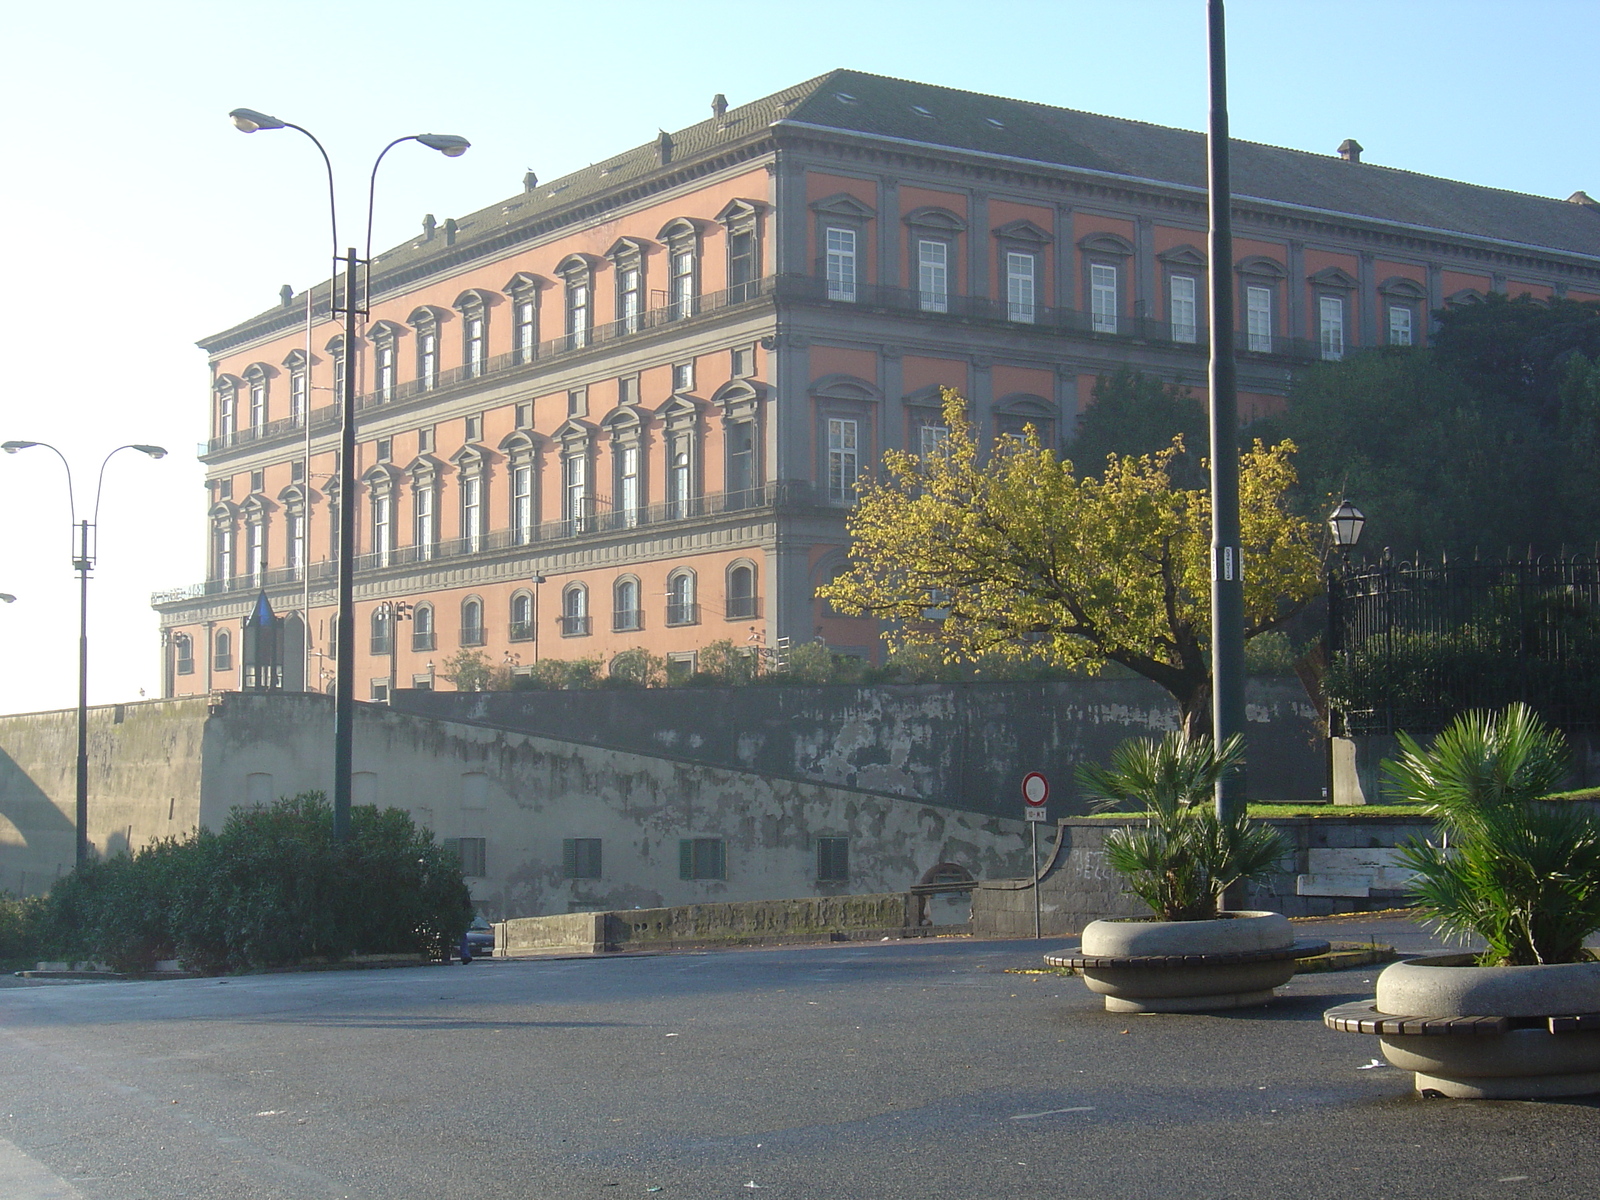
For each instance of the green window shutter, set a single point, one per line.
(719, 856)
(569, 857)
(686, 858)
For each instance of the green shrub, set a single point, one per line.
(21, 930)
(1519, 870)
(271, 888)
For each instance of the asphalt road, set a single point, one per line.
(890, 1071)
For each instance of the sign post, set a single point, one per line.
(1035, 791)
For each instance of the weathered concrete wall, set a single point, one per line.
(144, 784)
(810, 917)
(583, 932)
(1076, 885)
(963, 746)
(168, 765)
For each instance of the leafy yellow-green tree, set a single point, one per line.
(1010, 554)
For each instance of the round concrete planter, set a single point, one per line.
(1520, 1064)
(1188, 966)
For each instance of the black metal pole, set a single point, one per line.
(344, 690)
(83, 564)
(1227, 574)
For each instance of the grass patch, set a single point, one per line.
(1308, 810)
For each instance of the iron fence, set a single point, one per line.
(1414, 644)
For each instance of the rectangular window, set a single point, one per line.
(833, 860)
(225, 417)
(522, 503)
(1182, 311)
(575, 490)
(385, 449)
(257, 546)
(743, 361)
(680, 467)
(472, 512)
(297, 540)
(474, 429)
(1399, 325)
(628, 485)
(258, 481)
(628, 389)
(741, 457)
(522, 415)
(578, 314)
(472, 854)
(683, 377)
(702, 858)
(224, 554)
(629, 301)
(422, 534)
(384, 360)
(297, 395)
(425, 440)
(1020, 290)
(258, 404)
(683, 284)
(185, 654)
(578, 402)
(930, 440)
(580, 858)
(1103, 297)
(428, 360)
(741, 264)
(841, 264)
(1331, 309)
(843, 463)
(382, 532)
(476, 349)
(933, 275)
(525, 334)
(1258, 319)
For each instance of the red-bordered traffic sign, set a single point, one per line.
(1035, 789)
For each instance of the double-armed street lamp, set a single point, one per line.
(85, 538)
(248, 120)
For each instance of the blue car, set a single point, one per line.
(479, 939)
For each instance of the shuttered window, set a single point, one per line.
(702, 858)
(580, 858)
(833, 859)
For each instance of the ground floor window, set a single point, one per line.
(702, 858)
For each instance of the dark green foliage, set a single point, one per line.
(1517, 349)
(1185, 858)
(1519, 871)
(21, 930)
(1133, 413)
(272, 888)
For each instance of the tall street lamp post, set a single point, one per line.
(85, 536)
(248, 120)
(1345, 523)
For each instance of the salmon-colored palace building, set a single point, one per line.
(629, 407)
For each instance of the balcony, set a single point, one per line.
(422, 639)
(683, 614)
(596, 336)
(472, 635)
(741, 608)
(522, 631)
(382, 643)
(627, 620)
(504, 542)
(575, 626)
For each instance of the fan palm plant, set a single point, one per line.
(1185, 857)
(1517, 869)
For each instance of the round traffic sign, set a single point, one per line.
(1035, 789)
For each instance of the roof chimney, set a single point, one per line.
(530, 181)
(719, 106)
(449, 231)
(664, 148)
(1583, 198)
(1350, 150)
(286, 295)
(428, 226)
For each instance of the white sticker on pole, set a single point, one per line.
(1035, 791)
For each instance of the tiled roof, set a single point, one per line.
(877, 105)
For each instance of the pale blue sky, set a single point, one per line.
(140, 220)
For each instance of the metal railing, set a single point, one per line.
(422, 639)
(742, 607)
(683, 614)
(472, 635)
(522, 631)
(627, 620)
(574, 626)
(381, 643)
(1415, 645)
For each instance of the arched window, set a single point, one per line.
(223, 659)
(473, 306)
(472, 621)
(426, 322)
(382, 641)
(625, 611)
(522, 617)
(742, 591)
(681, 606)
(255, 377)
(575, 611)
(183, 651)
(422, 627)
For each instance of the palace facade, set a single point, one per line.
(628, 408)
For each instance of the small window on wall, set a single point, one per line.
(1400, 325)
(833, 860)
(702, 858)
(580, 858)
(472, 853)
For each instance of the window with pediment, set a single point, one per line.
(299, 385)
(681, 237)
(224, 543)
(628, 257)
(740, 403)
(473, 305)
(523, 290)
(336, 353)
(521, 451)
(1404, 301)
(681, 438)
(472, 486)
(625, 430)
(1261, 284)
(1015, 414)
(844, 407)
(1105, 259)
(424, 475)
(934, 248)
(842, 226)
(577, 277)
(425, 323)
(293, 500)
(255, 380)
(380, 482)
(253, 513)
(1021, 246)
(227, 392)
(1185, 270)
(384, 336)
(577, 476)
(1334, 291)
(741, 222)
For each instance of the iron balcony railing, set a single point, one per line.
(683, 614)
(627, 620)
(558, 347)
(521, 631)
(574, 626)
(422, 639)
(472, 635)
(742, 607)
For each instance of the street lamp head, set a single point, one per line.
(447, 144)
(1346, 522)
(248, 120)
(13, 447)
(152, 451)
(7, 598)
